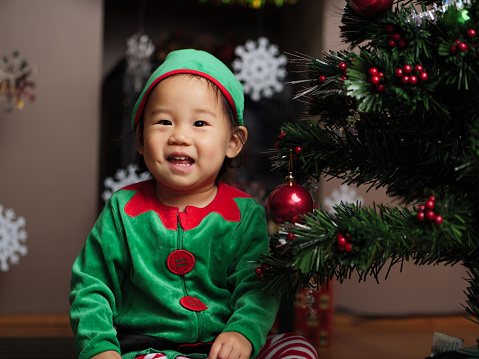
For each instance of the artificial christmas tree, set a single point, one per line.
(399, 111)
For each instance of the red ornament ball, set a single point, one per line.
(421, 216)
(412, 80)
(343, 66)
(452, 49)
(288, 202)
(418, 68)
(392, 43)
(370, 7)
(380, 87)
(471, 33)
(430, 204)
(405, 80)
(348, 247)
(290, 236)
(398, 72)
(281, 136)
(322, 78)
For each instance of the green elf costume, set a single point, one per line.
(152, 279)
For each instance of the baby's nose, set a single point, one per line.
(179, 138)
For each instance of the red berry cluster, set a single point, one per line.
(395, 37)
(344, 68)
(410, 76)
(461, 46)
(425, 211)
(260, 270)
(375, 78)
(278, 144)
(344, 242)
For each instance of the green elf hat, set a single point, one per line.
(198, 63)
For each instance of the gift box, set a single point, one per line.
(313, 310)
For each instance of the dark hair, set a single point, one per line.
(232, 121)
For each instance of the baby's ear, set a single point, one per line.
(237, 140)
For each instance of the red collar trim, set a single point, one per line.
(145, 200)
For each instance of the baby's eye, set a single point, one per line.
(164, 122)
(200, 123)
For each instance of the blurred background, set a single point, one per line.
(64, 151)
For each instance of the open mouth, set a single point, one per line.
(181, 161)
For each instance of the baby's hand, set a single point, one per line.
(230, 345)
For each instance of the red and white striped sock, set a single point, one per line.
(287, 346)
(157, 356)
(277, 346)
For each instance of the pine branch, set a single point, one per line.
(378, 235)
(376, 157)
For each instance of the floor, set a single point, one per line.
(352, 337)
(362, 338)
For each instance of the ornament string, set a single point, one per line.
(290, 177)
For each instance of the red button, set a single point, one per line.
(180, 262)
(192, 303)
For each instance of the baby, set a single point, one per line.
(168, 268)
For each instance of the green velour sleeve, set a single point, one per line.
(254, 311)
(96, 286)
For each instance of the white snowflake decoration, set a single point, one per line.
(139, 49)
(260, 68)
(12, 238)
(344, 194)
(124, 177)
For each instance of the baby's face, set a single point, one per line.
(186, 134)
